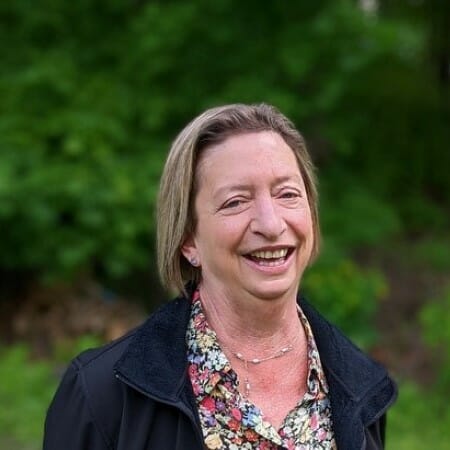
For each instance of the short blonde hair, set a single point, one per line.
(176, 218)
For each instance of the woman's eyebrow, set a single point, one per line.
(227, 188)
(231, 188)
(282, 179)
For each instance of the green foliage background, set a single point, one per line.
(93, 92)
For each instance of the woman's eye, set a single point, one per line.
(232, 203)
(290, 194)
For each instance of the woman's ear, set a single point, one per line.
(189, 251)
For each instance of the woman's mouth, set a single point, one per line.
(270, 258)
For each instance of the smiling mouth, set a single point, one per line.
(270, 258)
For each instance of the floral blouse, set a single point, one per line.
(231, 422)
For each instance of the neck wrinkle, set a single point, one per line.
(254, 332)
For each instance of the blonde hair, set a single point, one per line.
(175, 208)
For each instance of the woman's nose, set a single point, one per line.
(267, 220)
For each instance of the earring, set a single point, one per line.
(193, 261)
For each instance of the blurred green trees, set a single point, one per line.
(94, 91)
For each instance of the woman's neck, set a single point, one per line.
(255, 329)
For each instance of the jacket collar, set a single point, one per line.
(155, 361)
(360, 390)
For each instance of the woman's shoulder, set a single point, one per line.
(92, 392)
(90, 375)
(95, 371)
(88, 398)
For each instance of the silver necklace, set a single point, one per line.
(255, 361)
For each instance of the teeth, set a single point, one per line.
(269, 254)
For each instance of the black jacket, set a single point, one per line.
(135, 394)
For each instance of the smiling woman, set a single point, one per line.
(239, 359)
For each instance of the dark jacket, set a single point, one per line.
(135, 394)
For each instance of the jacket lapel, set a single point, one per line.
(360, 389)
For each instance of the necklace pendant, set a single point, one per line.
(247, 388)
(255, 361)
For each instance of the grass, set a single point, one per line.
(25, 392)
(26, 389)
(419, 420)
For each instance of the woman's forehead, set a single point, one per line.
(241, 158)
(239, 144)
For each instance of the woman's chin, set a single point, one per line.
(274, 290)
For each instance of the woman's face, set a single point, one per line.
(254, 229)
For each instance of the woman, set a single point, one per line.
(239, 360)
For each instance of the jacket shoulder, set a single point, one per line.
(85, 407)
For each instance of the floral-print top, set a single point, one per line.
(231, 422)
